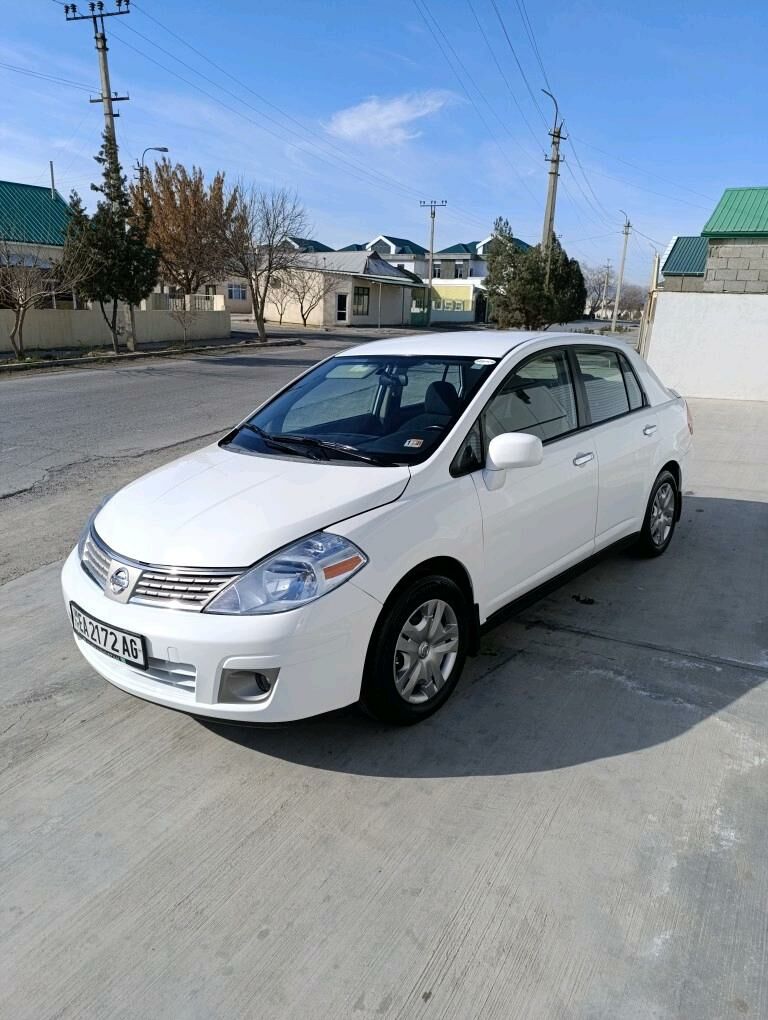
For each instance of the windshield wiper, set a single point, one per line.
(276, 442)
(326, 444)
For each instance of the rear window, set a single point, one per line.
(603, 382)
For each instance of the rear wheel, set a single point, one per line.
(660, 516)
(417, 652)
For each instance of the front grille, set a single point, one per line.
(181, 675)
(172, 587)
(96, 560)
(187, 589)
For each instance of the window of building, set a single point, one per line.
(448, 305)
(458, 270)
(538, 398)
(401, 265)
(361, 300)
(436, 270)
(236, 291)
(603, 381)
(437, 304)
(418, 301)
(458, 306)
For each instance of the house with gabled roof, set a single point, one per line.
(351, 288)
(33, 219)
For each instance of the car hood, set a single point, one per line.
(216, 508)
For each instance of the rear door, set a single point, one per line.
(542, 519)
(625, 434)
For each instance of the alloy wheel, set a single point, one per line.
(662, 514)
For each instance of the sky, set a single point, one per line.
(366, 109)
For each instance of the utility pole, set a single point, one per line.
(620, 280)
(606, 281)
(97, 14)
(548, 233)
(431, 206)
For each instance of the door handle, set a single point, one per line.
(649, 430)
(583, 458)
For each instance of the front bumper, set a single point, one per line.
(319, 651)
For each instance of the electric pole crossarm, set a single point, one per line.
(97, 14)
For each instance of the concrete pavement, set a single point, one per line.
(578, 834)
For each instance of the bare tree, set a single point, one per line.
(309, 287)
(280, 295)
(255, 241)
(594, 280)
(187, 222)
(632, 299)
(183, 312)
(30, 278)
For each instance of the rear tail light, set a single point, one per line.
(688, 416)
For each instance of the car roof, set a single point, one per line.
(488, 343)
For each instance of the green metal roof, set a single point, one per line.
(741, 212)
(470, 247)
(688, 257)
(30, 215)
(353, 247)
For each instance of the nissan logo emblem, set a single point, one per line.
(118, 582)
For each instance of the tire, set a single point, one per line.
(405, 684)
(660, 516)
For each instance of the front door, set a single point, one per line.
(541, 520)
(341, 307)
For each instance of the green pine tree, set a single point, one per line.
(124, 265)
(517, 283)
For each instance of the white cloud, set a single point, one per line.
(381, 122)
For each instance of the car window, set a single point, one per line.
(419, 378)
(321, 404)
(537, 397)
(634, 391)
(351, 406)
(603, 382)
(469, 456)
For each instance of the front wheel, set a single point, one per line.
(417, 652)
(660, 516)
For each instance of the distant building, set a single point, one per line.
(33, 220)
(359, 288)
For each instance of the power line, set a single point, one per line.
(660, 194)
(517, 61)
(328, 146)
(503, 75)
(468, 94)
(532, 39)
(648, 173)
(48, 77)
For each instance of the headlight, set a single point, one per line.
(291, 577)
(88, 524)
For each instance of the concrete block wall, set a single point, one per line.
(737, 266)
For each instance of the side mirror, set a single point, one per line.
(514, 450)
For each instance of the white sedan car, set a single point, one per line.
(348, 540)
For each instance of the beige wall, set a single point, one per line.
(46, 329)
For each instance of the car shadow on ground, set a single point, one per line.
(623, 655)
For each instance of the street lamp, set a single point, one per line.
(142, 164)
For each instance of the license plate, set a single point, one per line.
(119, 644)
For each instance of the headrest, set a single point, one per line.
(441, 398)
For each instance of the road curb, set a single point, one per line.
(12, 367)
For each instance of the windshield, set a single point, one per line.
(380, 409)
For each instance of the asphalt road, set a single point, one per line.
(580, 832)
